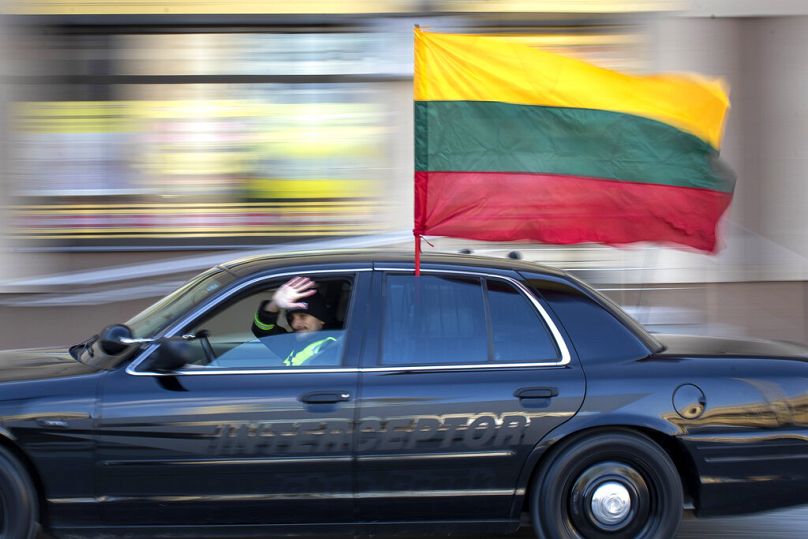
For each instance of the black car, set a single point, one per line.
(458, 400)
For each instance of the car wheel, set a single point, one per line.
(18, 501)
(613, 485)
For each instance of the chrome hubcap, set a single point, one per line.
(611, 503)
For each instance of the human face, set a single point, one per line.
(305, 323)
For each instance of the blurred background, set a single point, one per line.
(145, 141)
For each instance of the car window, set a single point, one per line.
(517, 329)
(598, 335)
(433, 320)
(237, 339)
(615, 310)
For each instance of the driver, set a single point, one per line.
(306, 318)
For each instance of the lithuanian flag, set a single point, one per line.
(513, 143)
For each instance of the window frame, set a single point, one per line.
(195, 315)
(555, 333)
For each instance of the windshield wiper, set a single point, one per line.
(78, 350)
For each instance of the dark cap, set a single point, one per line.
(315, 307)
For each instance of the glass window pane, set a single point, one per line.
(237, 341)
(519, 332)
(598, 334)
(433, 320)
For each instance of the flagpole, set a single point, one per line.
(416, 234)
(417, 254)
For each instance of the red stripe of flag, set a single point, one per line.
(548, 208)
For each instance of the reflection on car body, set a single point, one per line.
(457, 400)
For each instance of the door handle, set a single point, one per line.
(325, 397)
(52, 422)
(536, 393)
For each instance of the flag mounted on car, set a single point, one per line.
(517, 144)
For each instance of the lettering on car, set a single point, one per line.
(439, 432)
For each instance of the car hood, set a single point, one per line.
(692, 345)
(39, 364)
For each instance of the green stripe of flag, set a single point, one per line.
(481, 136)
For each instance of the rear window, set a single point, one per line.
(433, 320)
(437, 320)
(597, 335)
(518, 332)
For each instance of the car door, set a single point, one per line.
(466, 373)
(240, 439)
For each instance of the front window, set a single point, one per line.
(243, 333)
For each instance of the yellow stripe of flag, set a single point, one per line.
(453, 67)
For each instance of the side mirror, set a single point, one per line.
(113, 339)
(170, 356)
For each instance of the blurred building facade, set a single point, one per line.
(212, 124)
(143, 127)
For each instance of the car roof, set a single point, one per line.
(260, 263)
(343, 259)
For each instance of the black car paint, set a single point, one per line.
(749, 446)
(111, 450)
(48, 420)
(502, 431)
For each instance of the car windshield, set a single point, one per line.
(157, 317)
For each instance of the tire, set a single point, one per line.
(18, 500)
(580, 493)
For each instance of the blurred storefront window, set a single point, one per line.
(304, 53)
(179, 158)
